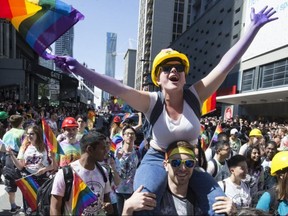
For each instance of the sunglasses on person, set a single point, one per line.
(177, 162)
(167, 68)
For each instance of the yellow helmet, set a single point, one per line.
(279, 162)
(164, 56)
(255, 132)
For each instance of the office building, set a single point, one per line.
(129, 70)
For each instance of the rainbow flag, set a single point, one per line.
(29, 187)
(50, 139)
(216, 132)
(40, 22)
(117, 138)
(82, 196)
(209, 104)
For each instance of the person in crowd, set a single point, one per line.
(217, 167)
(283, 144)
(255, 136)
(270, 151)
(82, 124)
(126, 164)
(277, 205)
(177, 121)
(234, 186)
(33, 158)
(116, 127)
(179, 164)
(3, 127)
(12, 140)
(210, 151)
(93, 148)
(53, 123)
(235, 142)
(255, 176)
(70, 145)
(114, 178)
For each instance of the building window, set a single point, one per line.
(248, 80)
(274, 74)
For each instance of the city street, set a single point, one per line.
(4, 200)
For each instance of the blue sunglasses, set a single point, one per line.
(177, 162)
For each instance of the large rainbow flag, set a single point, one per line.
(82, 196)
(209, 104)
(50, 139)
(29, 188)
(40, 22)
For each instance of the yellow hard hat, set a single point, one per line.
(279, 162)
(255, 132)
(164, 56)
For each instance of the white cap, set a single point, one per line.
(233, 131)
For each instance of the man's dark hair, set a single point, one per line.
(92, 139)
(220, 145)
(235, 160)
(84, 118)
(223, 136)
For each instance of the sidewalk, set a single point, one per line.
(4, 201)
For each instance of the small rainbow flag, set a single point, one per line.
(216, 132)
(82, 196)
(209, 104)
(117, 138)
(50, 139)
(29, 187)
(40, 22)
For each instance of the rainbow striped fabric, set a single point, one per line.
(209, 104)
(29, 188)
(216, 132)
(40, 22)
(82, 196)
(50, 139)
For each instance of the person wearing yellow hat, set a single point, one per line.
(177, 121)
(275, 200)
(255, 136)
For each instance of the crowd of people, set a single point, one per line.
(171, 172)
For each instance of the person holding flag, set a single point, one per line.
(90, 192)
(177, 121)
(33, 158)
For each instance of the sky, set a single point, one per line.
(102, 16)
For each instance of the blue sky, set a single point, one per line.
(101, 16)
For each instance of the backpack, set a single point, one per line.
(189, 97)
(215, 166)
(44, 191)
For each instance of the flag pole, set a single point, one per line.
(83, 84)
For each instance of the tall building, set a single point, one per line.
(64, 45)
(129, 71)
(160, 23)
(111, 42)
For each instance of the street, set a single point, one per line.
(4, 200)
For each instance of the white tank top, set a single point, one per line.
(166, 130)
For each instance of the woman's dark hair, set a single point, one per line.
(251, 164)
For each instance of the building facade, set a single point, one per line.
(129, 70)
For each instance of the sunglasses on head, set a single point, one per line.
(177, 162)
(168, 68)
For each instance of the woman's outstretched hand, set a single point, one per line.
(66, 63)
(263, 16)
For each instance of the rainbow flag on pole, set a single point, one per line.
(40, 22)
(50, 139)
(209, 104)
(82, 196)
(216, 132)
(29, 188)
